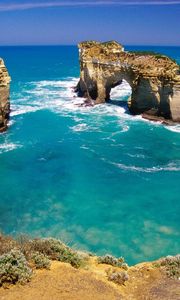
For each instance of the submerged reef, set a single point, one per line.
(154, 79)
(4, 96)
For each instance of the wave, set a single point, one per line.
(6, 147)
(59, 97)
(67, 82)
(121, 91)
(20, 110)
(80, 127)
(175, 128)
(168, 167)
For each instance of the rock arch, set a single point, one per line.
(154, 78)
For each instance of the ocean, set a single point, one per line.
(96, 177)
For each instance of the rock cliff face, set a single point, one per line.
(4, 96)
(154, 78)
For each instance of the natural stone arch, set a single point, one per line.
(154, 79)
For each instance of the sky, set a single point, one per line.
(60, 22)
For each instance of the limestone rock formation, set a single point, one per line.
(154, 78)
(4, 96)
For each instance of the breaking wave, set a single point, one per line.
(6, 147)
(80, 127)
(168, 167)
(59, 97)
(175, 128)
(121, 91)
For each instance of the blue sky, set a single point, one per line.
(138, 22)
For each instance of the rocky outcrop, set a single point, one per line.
(4, 96)
(154, 78)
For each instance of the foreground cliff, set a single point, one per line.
(154, 78)
(48, 269)
(4, 96)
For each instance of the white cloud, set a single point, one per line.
(31, 5)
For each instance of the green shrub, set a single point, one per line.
(41, 261)
(42, 250)
(153, 53)
(113, 261)
(14, 268)
(24, 245)
(172, 265)
(118, 277)
(6, 244)
(48, 246)
(56, 250)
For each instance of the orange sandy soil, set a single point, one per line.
(63, 282)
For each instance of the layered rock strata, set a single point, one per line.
(4, 96)
(154, 78)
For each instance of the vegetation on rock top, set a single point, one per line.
(172, 265)
(113, 261)
(14, 268)
(20, 257)
(152, 53)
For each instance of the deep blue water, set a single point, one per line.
(97, 178)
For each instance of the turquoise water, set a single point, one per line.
(98, 178)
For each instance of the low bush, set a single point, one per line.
(24, 245)
(113, 261)
(118, 277)
(56, 250)
(172, 265)
(153, 53)
(16, 254)
(14, 268)
(6, 244)
(41, 261)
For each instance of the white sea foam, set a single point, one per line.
(68, 82)
(84, 147)
(11, 122)
(175, 128)
(20, 110)
(125, 128)
(6, 147)
(136, 155)
(80, 127)
(121, 91)
(168, 167)
(59, 97)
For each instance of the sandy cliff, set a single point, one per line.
(47, 269)
(63, 282)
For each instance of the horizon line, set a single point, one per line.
(26, 6)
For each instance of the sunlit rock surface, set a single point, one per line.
(154, 78)
(4, 96)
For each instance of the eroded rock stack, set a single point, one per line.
(4, 96)
(154, 78)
